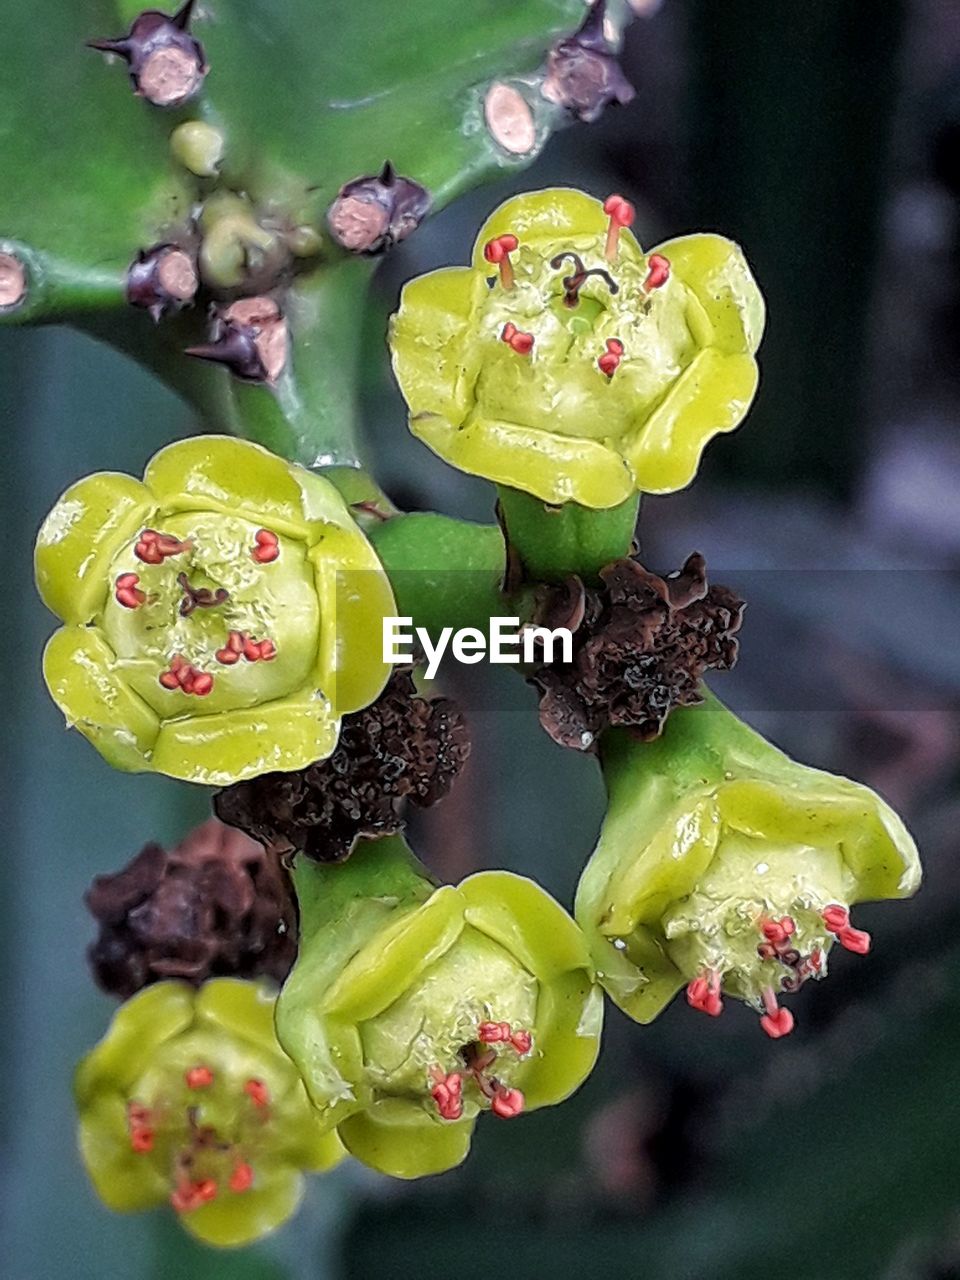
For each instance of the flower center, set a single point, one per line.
(210, 612)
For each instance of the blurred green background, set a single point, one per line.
(826, 138)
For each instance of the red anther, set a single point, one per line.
(522, 343)
(137, 1113)
(202, 684)
(507, 1103)
(198, 1077)
(767, 951)
(615, 346)
(268, 650)
(257, 1092)
(241, 1179)
(251, 650)
(609, 362)
(522, 1041)
(498, 252)
(493, 1032)
(184, 1198)
(267, 546)
(778, 931)
(815, 960)
(777, 1024)
(235, 641)
(703, 994)
(446, 1093)
(621, 211)
(169, 680)
(835, 917)
(152, 547)
(141, 1139)
(856, 940)
(127, 591)
(205, 1190)
(508, 331)
(227, 656)
(658, 272)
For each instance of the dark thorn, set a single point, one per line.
(388, 174)
(183, 15)
(590, 34)
(120, 47)
(237, 349)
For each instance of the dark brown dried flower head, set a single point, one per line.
(641, 645)
(372, 214)
(218, 905)
(583, 73)
(402, 747)
(167, 65)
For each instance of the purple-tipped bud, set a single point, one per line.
(583, 73)
(372, 214)
(167, 65)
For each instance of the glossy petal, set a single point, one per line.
(239, 1008)
(569, 1024)
(711, 396)
(403, 1140)
(434, 364)
(80, 671)
(716, 271)
(355, 596)
(233, 1220)
(124, 1181)
(220, 473)
(549, 218)
(81, 535)
(138, 1029)
(287, 734)
(554, 468)
(527, 921)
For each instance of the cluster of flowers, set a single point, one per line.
(222, 622)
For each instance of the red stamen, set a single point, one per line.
(251, 650)
(777, 932)
(141, 1140)
(206, 1190)
(184, 676)
(493, 1032)
(703, 994)
(498, 252)
(609, 362)
(199, 1077)
(856, 940)
(153, 547)
(446, 1093)
(621, 214)
(169, 680)
(522, 1041)
(257, 1092)
(658, 272)
(835, 917)
(202, 684)
(267, 546)
(128, 593)
(778, 1024)
(268, 650)
(241, 1179)
(507, 1103)
(516, 339)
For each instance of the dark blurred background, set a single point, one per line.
(825, 137)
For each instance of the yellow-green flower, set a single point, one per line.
(221, 615)
(411, 1009)
(727, 867)
(589, 370)
(190, 1100)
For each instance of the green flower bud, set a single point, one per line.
(190, 1100)
(220, 617)
(198, 146)
(590, 369)
(411, 1009)
(726, 867)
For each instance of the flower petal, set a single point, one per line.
(711, 396)
(242, 1009)
(552, 217)
(395, 957)
(84, 530)
(436, 353)
(569, 1023)
(125, 1181)
(554, 468)
(400, 1138)
(355, 596)
(216, 750)
(232, 1219)
(139, 1027)
(524, 919)
(80, 670)
(716, 272)
(221, 473)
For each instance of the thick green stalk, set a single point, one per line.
(554, 542)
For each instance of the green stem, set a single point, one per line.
(384, 871)
(446, 572)
(555, 542)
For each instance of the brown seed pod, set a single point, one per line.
(372, 214)
(167, 64)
